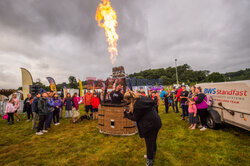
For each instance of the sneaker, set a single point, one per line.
(203, 129)
(200, 126)
(39, 133)
(18, 120)
(56, 124)
(193, 128)
(45, 131)
(28, 120)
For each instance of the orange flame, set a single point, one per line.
(107, 19)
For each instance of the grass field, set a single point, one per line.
(81, 144)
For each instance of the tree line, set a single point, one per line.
(168, 77)
(189, 76)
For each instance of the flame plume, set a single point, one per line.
(107, 19)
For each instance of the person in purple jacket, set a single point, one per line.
(201, 104)
(57, 104)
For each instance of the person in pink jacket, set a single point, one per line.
(10, 109)
(16, 106)
(76, 113)
(192, 110)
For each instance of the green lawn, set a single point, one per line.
(81, 144)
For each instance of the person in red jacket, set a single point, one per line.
(177, 99)
(95, 102)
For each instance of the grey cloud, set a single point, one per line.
(60, 38)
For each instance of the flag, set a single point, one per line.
(52, 84)
(65, 91)
(81, 88)
(27, 81)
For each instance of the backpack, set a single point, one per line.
(209, 100)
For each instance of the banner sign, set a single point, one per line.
(52, 84)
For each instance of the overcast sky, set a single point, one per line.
(59, 38)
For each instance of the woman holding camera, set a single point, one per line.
(148, 122)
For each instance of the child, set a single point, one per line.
(68, 106)
(10, 109)
(95, 102)
(192, 110)
(57, 105)
(76, 113)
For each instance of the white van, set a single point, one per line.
(231, 103)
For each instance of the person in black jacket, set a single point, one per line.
(27, 106)
(184, 98)
(68, 106)
(116, 95)
(155, 99)
(148, 124)
(34, 107)
(166, 97)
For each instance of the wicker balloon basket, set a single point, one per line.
(111, 120)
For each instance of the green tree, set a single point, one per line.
(72, 82)
(215, 77)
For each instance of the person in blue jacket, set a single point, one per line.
(57, 104)
(50, 111)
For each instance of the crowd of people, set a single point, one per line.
(46, 109)
(193, 103)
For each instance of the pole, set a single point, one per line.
(177, 82)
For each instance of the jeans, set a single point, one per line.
(42, 119)
(68, 113)
(56, 115)
(35, 118)
(29, 112)
(11, 117)
(60, 113)
(184, 110)
(176, 106)
(48, 120)
(151, 144)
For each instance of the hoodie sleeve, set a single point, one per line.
(200, 98)
(50, 103)
(129, 116)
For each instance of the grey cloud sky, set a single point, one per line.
(60, 38)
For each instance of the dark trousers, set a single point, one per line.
(48, 120)
(173, 107)
(151, 144)
(184, 110)
(56, 115)
(203, 114)
(29, 112)
(166, 107)
(42, 119)
(176, 106)
(11, 117)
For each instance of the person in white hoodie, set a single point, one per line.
(10, 109)
(16, 106)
